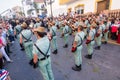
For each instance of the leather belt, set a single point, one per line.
(27, 41)
(44, 58)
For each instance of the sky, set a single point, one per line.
(6, 4)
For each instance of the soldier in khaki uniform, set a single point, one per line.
(43, 53)
(26, 40)
(90, 41)
(106, 31)
(38, 23)
(17, 32)
(65, 34)
(100, 30)
(79, 37)
(53, 30)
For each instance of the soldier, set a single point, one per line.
(17, 32)
(43, 53)
(65, 34)
(106, 31)
(99, 35)
(38, 23)
(77, 48)
(90, 41)
(26, 40)
(53, 30)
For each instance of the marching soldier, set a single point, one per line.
(53, 30)
(65, 34)
(99, 35)
(17, 32)
(43, 53)
(77, 48)
(106, 31)
(26, 40)
(90, 41)
(38, 23)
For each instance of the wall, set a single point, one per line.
(63, 1)
(115, 4)
(89, 5)
(56, 8)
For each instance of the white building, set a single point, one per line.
(56, 8)
(85, 6)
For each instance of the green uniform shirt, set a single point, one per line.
(103, 27)
(53, 30)
(66, 30)
(92, 34)
(43, 45)
(79, 37)
(18, 29)
(76, 24)
(36, 25)
(108, 25)
(26, 34)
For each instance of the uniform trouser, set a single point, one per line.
(70, 30)
(2, 50)
(66, 38)
(106, 36)
(98, 40)
(78, 56)
(28, 49)
(54, 43)
(45, 69)
(90, 47)
(11, 38)
(85, 31)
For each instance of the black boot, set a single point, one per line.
(55, 52)
(31, 62)
(105, 42)
(97, 48)
(88, 56)
(22, 47)
(70, 34)
(76, 68)
(35, 65)
(65, 46)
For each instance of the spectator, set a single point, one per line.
(114, 28)
(118, 34)
(3, 44)
(4, 75)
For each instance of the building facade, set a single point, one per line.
(57, 9)
(85, 6)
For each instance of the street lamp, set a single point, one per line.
(51, 8)
(23, 7)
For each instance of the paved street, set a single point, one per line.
(105, 64)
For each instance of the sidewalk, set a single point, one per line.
(112, 42)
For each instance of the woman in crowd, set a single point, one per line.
(3, 44)
(114, 29)
(118, 34)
